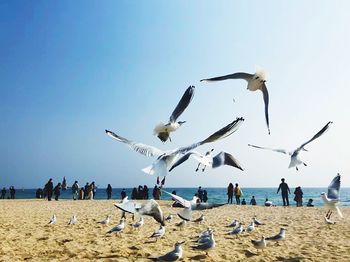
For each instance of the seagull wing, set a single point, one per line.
(183, 103)
(179, 199)
(128, 206)
(152, 208)
(143, 149)
(266, 101)
(184, 158)
(224, 158)
(319, 133)
(333, 188)
(222, 133)
(283, 151)
(238, 75)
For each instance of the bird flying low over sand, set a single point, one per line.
(189, 206)
(162, 131)
(255, 82)
(220, 159)
(294, 155)
(149, 208)
(165, 159)
(331, 199)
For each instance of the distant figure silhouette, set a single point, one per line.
(230, 189)
(284, 190)
(253, 201)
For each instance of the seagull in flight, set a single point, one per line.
(255, 82)
(220, 159)
(294, 155)
(162, 131)
(165, 159)
(190, 205)
(331, 199)
(149, 208)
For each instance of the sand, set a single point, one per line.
(25, 234)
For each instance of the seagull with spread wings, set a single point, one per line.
(255, 82)
(294, 155)
(331, 199)
(220, 159)
(165, 159)
(162, 131)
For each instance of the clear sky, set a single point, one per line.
(71, 69)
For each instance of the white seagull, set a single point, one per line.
(172, 255)
(167, 158)
(251, 227)
(280, 236)
(53, 220)
(331, 199)
(118, 228)
(220, 159)
(257, 222)
(162, 131)
(139, 223)
(259, 244)
(149, 208)
(105, 221)
(238, 230)
(159, 233)
(255, 82)
(208, 245)
(73, 220)
(233, 223)
(199, 219)
(294, 155)
(182, 224)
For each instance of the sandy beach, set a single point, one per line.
(26, 235)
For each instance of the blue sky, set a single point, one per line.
(71, 69)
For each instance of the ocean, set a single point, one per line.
(215, 195)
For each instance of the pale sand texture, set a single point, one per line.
(25, 235)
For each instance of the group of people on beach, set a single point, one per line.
(12, 193)
(234, 191)
(140, 193)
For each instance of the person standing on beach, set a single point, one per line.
(284, 190)
(230, 190)
(57, 191)
(298, 196)
(75, 190)
(200, 193)
(238, 194)
(123, 194)
(12, 192)
(205, 196)
(3, 193)
(93, 189)
(145, 192)
(253, 201)
(81, 194)
(49, 189)
(109, 191)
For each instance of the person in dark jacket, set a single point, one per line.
(123, 194)
(49, 189)
(298, 196)
(230, 190)
(205, 196)
(57, 191)
(284, 190)
(109, 191)
(145, 192)
(3, 193)
(134, 193)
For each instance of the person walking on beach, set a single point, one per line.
(3, 193)
(298, 196)
(238, 194)
(253, 201)
(49, 189)
(75, 190)
(284, 190)
(109, 191)
(145, 192)
(200, 193)
(230, 190)
(57, 191)
(123, 194)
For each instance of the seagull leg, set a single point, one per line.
(203, 168)
(198, 167)
(304, 164)
(296, 168)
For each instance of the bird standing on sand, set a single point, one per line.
(172, 255)
(53, 220)
(233, 223)
(73, 220)
(257, 222)
(118, 228)
(139, 223)
(162, 131)
(259, 244)
(208, 245)
(200, 219)
(158, 233)
(294, 155)
(255, 82)
(280, 236)
(105, 221)
(165, 159)
(182, 224)
(251, 227)
(238, 230)
(331, 199)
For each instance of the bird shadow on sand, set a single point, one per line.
(199, 257)
(291, 259)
